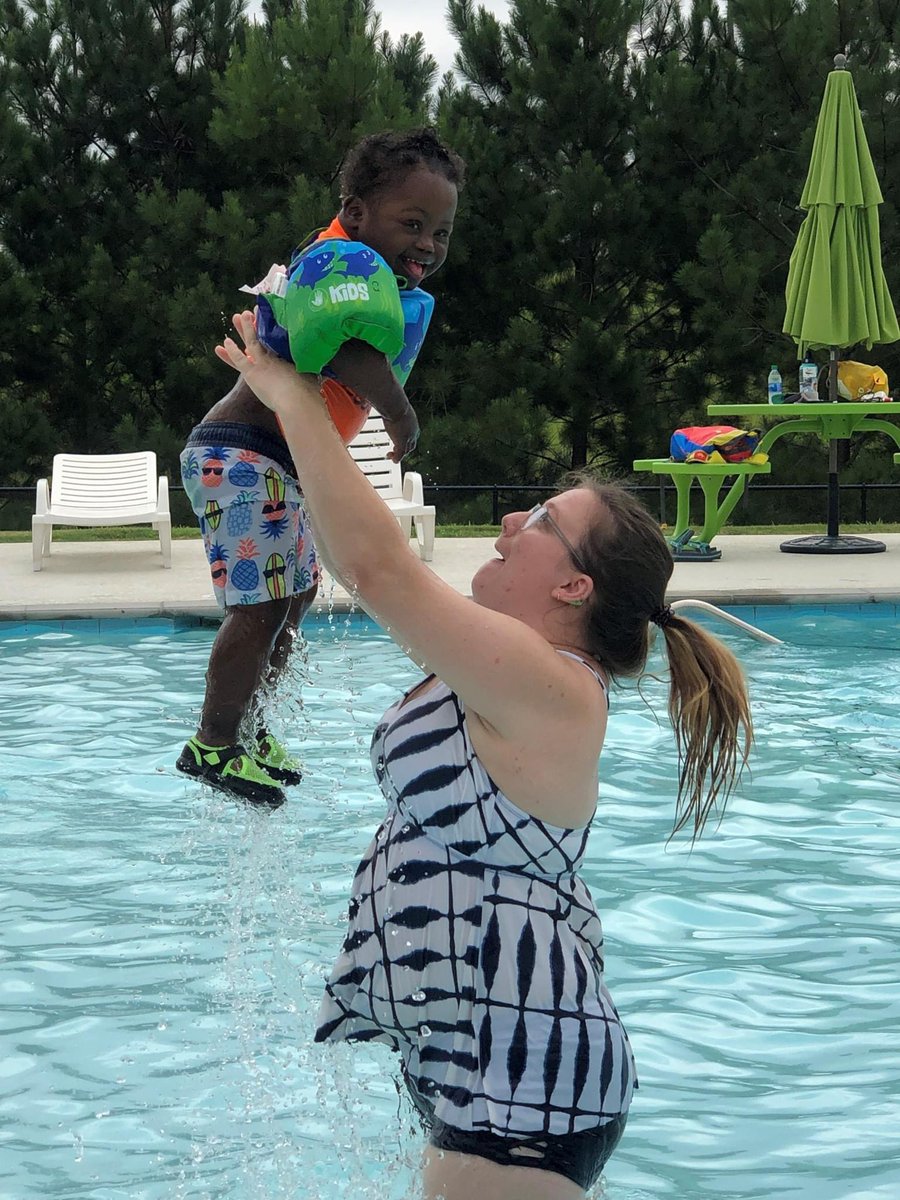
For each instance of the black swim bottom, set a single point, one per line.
(577, 1156)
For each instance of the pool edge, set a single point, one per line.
(211, 614)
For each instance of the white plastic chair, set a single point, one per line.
(102, 489)
(403, 494)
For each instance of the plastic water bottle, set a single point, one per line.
(776, 388)
(809, 382)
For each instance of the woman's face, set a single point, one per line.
(535, 562)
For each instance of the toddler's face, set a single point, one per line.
(409, 223)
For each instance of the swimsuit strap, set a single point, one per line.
(584, 662)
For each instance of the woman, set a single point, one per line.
(474, 948)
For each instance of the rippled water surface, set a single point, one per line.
(163, 950)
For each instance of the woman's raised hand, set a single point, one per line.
(272, 379)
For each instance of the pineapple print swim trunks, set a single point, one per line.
(242, 487)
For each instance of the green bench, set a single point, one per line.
(685, 546)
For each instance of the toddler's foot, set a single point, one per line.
(276, 760)
(230, 769)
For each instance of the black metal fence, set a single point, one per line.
(661, 498)
(17, 503)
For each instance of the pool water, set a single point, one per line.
(164, 950)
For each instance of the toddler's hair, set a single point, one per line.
(384, 159)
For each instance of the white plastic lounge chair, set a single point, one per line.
(403, 494)
(102, 489)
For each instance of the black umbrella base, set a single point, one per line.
(821, 543)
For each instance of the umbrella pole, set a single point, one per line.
(833, 394)
(834, 491)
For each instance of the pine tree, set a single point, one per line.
(99, 101)
(549, 295)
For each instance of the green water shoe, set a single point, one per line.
(277, 761)
(230, 769)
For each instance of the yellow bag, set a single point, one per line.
(856, 379)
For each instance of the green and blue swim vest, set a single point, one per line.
(337, 290)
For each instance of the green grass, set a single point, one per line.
(457, 531)
(101, 533)
(137, 533)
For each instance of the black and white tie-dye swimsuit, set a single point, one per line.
(474, 949)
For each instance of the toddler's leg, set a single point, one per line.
(239, 658)
(299, 607)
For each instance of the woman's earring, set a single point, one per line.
(575, 603)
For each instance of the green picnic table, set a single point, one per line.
(834, 422)
(685, 546)
(831, 421)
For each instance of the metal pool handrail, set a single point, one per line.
(759, 634)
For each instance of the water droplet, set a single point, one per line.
(424, 1031)
(418, 997)
(162, 1025)
(78, 1145)
(101, 1115)
(406, 828)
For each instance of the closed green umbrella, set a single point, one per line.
(836, 292)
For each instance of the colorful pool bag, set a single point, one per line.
(715, 444)
(336, 290)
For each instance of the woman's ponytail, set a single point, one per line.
(710, 711)
(630, 564)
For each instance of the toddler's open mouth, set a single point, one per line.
(413, 268)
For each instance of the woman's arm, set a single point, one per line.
(503, 670)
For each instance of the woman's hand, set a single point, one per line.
(273, 380)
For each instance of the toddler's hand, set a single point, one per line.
(404, 433)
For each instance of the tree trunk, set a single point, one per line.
(579, 446)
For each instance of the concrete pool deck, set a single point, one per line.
(127, 579)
